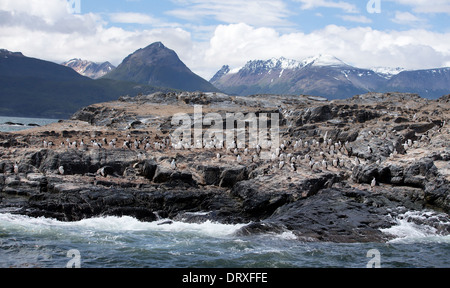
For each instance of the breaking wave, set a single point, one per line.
(115, 224)
(420, 227)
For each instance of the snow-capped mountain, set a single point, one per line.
(323, 75)
(323, 60)
(327, 76)
(388, 72)
(89, 68)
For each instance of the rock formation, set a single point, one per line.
(117, 160)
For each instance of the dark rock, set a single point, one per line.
(210, 174)
(437, 194)
(6, 167)
(106, 171)
(195, 217)
(231, 176)
(365, 174)
(141, 214)
(162, 175)
(335, 216)
(258, 228)
(149, 169)
(397, 175)
(320, 114)
(417, 174)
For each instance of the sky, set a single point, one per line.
(412, 34)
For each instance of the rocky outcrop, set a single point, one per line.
(345, 170)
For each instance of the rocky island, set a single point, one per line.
(345, 169)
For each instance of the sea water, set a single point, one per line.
(20, 123)
(124, 242)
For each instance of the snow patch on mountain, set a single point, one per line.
(88, 68)
(323, 60)
(388, 72)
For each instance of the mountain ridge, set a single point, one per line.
(31, 87)
(89, 69)
(328, 76)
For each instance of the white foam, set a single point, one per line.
(288, 235)
(415, 226)
(118, 224)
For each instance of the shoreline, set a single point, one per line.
(332, 203)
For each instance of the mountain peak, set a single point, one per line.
(324, 60)
(159, 66)
(387, 72)
(223, 71)
(282, 63)
(157, 45)
(6, 53)
(88, 68)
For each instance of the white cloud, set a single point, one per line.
(49, 32)
(362, 47)
(133, 18)
(47, 10)
(312, 4)
(356, 18)
(253, 12)
(406, 18)
(46, 30)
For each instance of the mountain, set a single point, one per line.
(32, 87)
(323, 75)
(327, 76)
(90, 69)
(157, 65)
(430, 83)
(387, 72)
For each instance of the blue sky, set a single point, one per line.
(284, 15)
(412, 34)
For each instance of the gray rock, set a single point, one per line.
(231, 176)
(149, 169)
(210, 174)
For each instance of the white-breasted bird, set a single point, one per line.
(374, 183)
(173, 164)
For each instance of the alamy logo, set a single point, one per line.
(374, 6)
(75, 261)
(74, 6)
(375, 261)
(261, 132)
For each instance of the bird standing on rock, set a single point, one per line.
(373, 184)
(293, 167)
(325, 164)
(173, 164)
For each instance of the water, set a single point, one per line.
(22, 123)
(124, 242)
